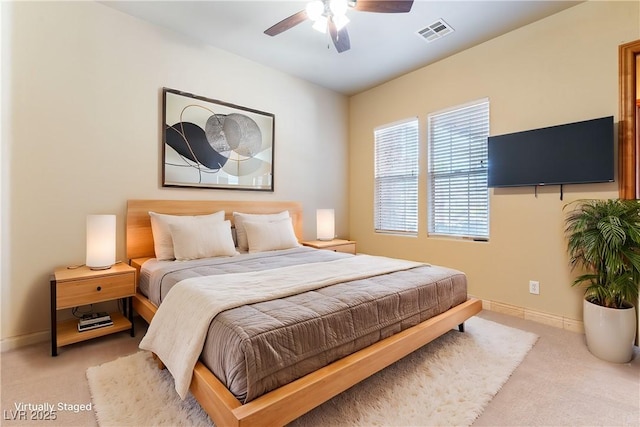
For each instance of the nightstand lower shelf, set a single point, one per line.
(68, 330)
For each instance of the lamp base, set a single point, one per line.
(106, 267)
(324, 239)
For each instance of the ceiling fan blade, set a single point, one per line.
(384, 6)
(340, 38)
(286, 23)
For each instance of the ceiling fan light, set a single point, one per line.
(321, 24)
(340, 21)
(338, 7)
(314, 9)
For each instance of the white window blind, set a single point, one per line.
(396, 177)
(458, 193)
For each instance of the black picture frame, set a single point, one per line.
(207, 143)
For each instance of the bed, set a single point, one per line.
(283, 402)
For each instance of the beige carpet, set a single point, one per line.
(447, 382)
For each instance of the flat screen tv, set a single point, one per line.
(574, 153)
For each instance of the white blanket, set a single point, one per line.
(179, 328)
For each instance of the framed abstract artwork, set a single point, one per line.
(208, 143)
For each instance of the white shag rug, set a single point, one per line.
(448, 382)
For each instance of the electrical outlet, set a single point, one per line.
(534, 287)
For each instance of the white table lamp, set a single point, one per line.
(325, 223)
(101, 241)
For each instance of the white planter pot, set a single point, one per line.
(610, 332)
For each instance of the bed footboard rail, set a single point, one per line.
(145, 308)
(289, 402)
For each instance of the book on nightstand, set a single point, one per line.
(93, 321)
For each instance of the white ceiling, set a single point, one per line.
(383, 46)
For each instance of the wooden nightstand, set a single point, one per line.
(82, 286)
(336, 245)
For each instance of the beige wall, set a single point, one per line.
(81, 102)
(554, 71)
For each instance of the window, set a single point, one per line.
(458, 193)
(396, 177)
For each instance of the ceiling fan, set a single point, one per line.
(331, 15)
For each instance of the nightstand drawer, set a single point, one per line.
(349, 248)
(335, 245)
(74, 293)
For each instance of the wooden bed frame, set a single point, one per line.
(288, 402)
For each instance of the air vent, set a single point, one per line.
(435, 31)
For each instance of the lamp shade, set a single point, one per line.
(325, 224)
(314, 9)
(101, 241)
(321, 24)
(338, 7)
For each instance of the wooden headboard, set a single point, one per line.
(139, 238)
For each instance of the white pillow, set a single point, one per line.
(240, 218)
(270, 236)
(162, 242)
(202, 238)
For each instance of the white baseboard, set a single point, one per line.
(23, 340)
(562, 322)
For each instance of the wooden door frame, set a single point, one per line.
(629, 155)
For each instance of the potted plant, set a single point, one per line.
(604, 240)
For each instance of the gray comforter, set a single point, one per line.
(256, 348)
